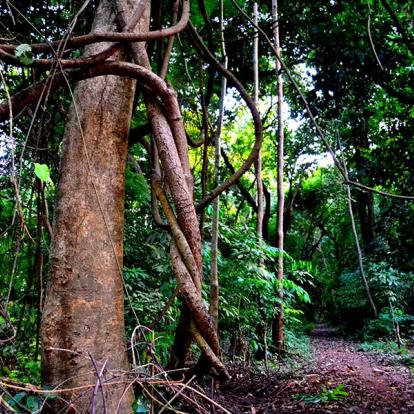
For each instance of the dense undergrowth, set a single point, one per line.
(360, 89)
(315, 289)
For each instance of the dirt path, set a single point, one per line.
(372, 384)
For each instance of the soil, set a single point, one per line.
(372, 382)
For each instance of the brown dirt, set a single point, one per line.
(373, 385)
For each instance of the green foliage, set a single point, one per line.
(382, 346)
(249, 288)
(140, 406)
(23, 402)
(137, 188)
(380, 327)
(326, 395)
(297, 340)
(391, 285)
(146, 301)
(383, 326)
(24, 53)
(350, 293)
(242, 278)
(292, 289)
(24, 367)
(42, 172)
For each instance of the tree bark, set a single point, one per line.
(267, 213)
(84, 307)
(278, 329)
(359, 253)
(258, 163)
(214, 280)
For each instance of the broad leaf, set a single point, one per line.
(23, 52)
(42, 172)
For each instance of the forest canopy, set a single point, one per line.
(189, 186)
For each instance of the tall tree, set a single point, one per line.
(85, 276)
(258, 163)
(279, 321)
(214, 282)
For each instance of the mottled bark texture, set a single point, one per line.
(84, 308)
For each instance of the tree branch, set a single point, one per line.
(110, 36)
(208, 56)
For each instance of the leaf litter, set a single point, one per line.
(339, 378)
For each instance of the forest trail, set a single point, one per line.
(372, 383)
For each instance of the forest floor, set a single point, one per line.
(372, 383)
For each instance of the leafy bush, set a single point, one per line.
(381, 346)
(249, 290)
(297, 343)
(326, 395)
(390, 289)
(380, 327)
(390, 285)
(383, 326)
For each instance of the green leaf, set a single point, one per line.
(32, 403)
(19, 397)
(139, 407)
(24, 53)
(42, 172)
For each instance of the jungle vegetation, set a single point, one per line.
(184, 184)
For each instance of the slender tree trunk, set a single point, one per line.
(359, 253)
(358, 248)
(205, 133)
(258, 163)
(261, 326)
(214, 282)
(39, 261)
(267, 213)
(83, 319)
(278, 334)
(355, 234)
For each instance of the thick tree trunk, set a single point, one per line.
(83, 320)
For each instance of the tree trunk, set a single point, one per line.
(258, 163)
(83, 320)
(359, 253)
(357, 245)
(214, 279)
(278, 329)
(267, 214)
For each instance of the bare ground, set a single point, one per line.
(373, 384)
